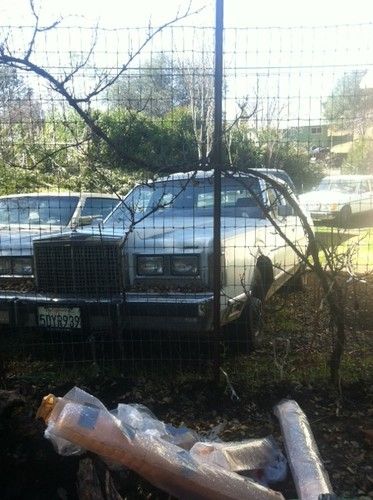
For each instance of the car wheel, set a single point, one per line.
(246, 332)
(344, 216)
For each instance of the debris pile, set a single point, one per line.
(178, 460)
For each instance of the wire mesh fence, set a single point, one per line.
(94, 118)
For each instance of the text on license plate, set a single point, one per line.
(59, 317)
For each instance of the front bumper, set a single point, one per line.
(320, 216)
(135, 311)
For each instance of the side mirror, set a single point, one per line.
(285, 210)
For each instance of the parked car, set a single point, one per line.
(26, 216)
(337, 197)
(150, 264)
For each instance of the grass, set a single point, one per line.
(296, 351)
(306, 362)
(357, 243)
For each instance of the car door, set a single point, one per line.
(290, 225)
(279, 251)
(365, 196)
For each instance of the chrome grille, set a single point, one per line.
(80, 268)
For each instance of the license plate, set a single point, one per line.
(62, 318)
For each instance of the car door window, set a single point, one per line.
(99, 206)
(274, 200)
(37, 210)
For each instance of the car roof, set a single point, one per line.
(58, 194)
(206, 174)
(263, 169)
(195, 174)
(352, 177)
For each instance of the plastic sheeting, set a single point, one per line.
(309, 474)
(260, 455)
(81, 422)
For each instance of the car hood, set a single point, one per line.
(165, 232)
(17, 241)
(17, 244)
(36, 229)
(317, 197)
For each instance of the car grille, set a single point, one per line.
(79, 268)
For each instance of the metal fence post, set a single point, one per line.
(217, 163)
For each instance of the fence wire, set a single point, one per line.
(87, 114)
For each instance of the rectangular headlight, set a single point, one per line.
(150, 265)
(22, 266)
(328, 207)
(184, 265)
(5, 265)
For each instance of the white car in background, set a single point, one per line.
(337, 197)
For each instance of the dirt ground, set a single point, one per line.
(342, 420)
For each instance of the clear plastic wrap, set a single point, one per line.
(260, 455)
(82, 420)
(142, 420)
(309, 474)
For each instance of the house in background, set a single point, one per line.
(350, 144)
(311, 137)
(351, 136)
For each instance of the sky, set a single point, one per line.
(298, 67)
(243, 13)
(237, 12)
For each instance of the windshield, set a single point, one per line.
(340, 185)
(193, 198)
(38, 210)
(280, 174)
(285, 177)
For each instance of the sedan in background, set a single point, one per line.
(337, 197)
(26, 216)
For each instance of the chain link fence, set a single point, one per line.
(93, 118)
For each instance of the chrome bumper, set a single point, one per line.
(137, 311)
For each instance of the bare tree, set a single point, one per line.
(199, 82)
(60, 84)
(329, 274)
(239, 124)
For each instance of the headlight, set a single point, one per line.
(22, 266)
(330, 207)
(312, 206)
(184, 265)
(5, 265)
(150, 265)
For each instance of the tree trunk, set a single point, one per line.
(337, 317)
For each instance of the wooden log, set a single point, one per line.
(95, 482)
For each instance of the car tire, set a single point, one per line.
(246, 332)
(344, 216)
